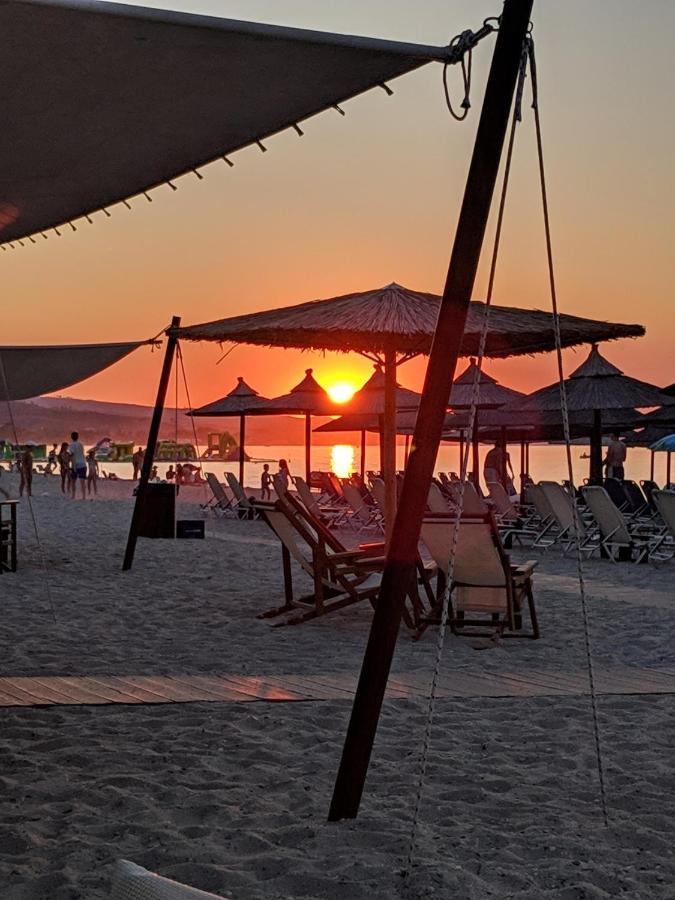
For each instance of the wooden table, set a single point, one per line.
(8, 535)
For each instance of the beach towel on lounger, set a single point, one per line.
(135, 883)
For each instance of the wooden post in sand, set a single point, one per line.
(389, 441)
(402, 548)
(153, 434)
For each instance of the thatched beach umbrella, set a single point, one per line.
(393, 324)
(489, 395)
(595, 386)
(242, 401)
(308, 398)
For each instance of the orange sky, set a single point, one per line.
(371, 198)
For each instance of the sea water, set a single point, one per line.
(547, 461)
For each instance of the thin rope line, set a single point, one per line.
(445, 600)
(43, 558)
(179, 354)
(566, 429)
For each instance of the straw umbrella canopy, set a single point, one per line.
(489, 395)
(595, 386)
(309, 398)
(393, 324)
(242, 401)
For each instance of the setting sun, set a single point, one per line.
(341, 391)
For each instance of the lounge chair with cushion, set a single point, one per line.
(131, 882)
(488, 592)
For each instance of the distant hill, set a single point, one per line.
(51, 419)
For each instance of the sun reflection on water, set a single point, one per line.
(342, 460)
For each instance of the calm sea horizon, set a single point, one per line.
(547, 461)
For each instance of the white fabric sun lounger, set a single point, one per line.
(664, 545)
(333, 514)
(563, 510)
(242, 505)
(132, 882)
(616, 539)
(220, 502)
(363, 515)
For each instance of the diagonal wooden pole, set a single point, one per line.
(153, 434)
(402, 548)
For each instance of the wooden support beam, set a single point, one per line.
(402, 548)
(389, 440)
(153, 434)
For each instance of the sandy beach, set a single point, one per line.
(232, 797)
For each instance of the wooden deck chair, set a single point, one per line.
(487, 591)
(242, 506)
(318, 547)
(617, 541)
(339, 579)
(562, 508)
(663, 547)
(363, 515)
(219, 502)
(131, 882)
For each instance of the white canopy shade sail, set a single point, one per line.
(103, 101)
(30, 371)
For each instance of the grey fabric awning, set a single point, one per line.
(30, 371)
(102, 101)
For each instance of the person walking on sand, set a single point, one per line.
(64, 466)
(615, 458)
(137, 462)
(92, 473)
(78, 462)
(497, 462)
(26, 472)
(284, 475)
(52, 460)
(265, 482)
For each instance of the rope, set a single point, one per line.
(43, 558)
(566, 430)
(179, 354)
(445, 604)
(459, 51)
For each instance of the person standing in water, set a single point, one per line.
(265, 482)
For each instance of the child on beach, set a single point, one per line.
(265, 482)
(92, 473)
(64, 465)
(26, 471)
(284, 475)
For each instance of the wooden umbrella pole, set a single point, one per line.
(402, 549)
(668, 471)
(308, 447)
(363, 454)
(153, 434)
(651, 466)
(389, 440)
(595, 473)
(475, 465)
(242, 441)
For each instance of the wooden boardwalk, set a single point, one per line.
(100, 690)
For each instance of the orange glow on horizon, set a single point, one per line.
(341, 391)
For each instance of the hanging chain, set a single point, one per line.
(445, 598)
(566, 431)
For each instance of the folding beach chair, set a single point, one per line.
(340, 576)
(131, 882)
(334, 514)
(487, 593)
(436, 502)
(363, 515)
(512, 524)
(664, 546)
(242, 506)
(472, 502)
(649, 486)
(219, 502)
(617, 541)
(546, 535)
(617, 495)
(563, 510)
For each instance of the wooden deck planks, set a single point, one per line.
(95, 690)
